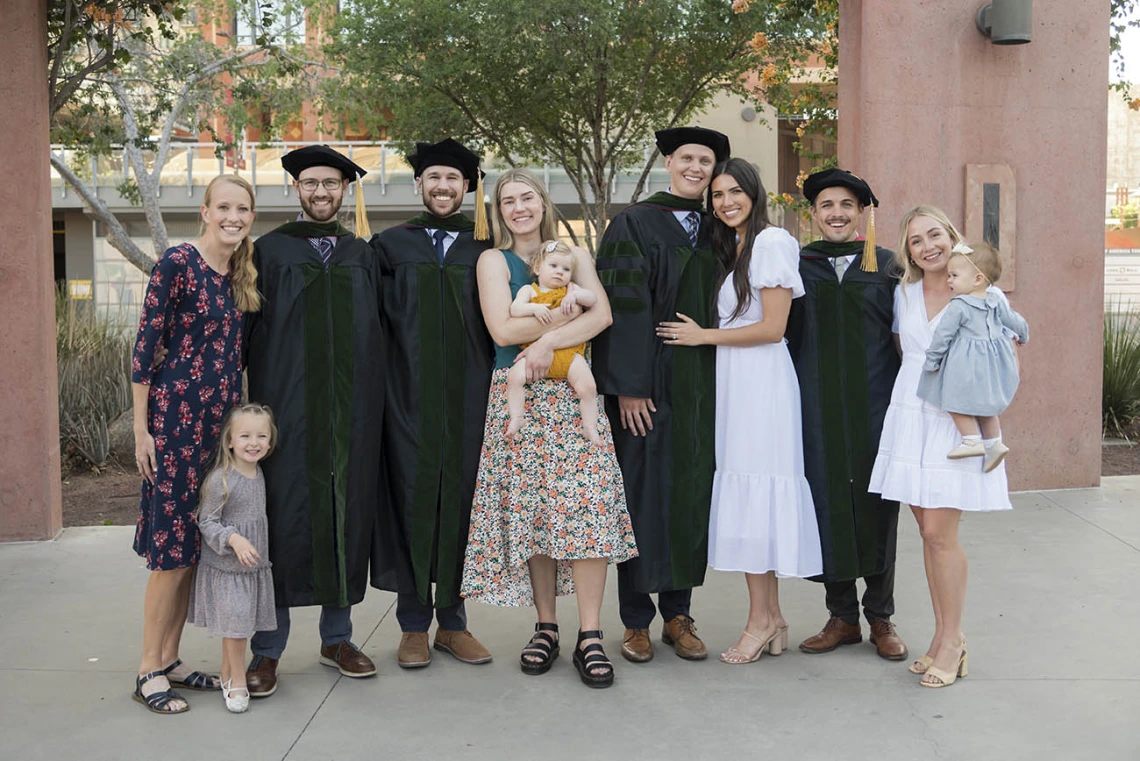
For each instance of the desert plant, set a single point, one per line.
(94, 356)
(1120, 401)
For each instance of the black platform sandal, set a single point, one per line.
(541, 646)
(195, 680)
(593, 666)
(157, 702)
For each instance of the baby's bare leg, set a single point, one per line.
(581, 379)
(516, 397)
(967, 424)
(990, 426)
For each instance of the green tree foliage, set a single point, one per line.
(163, 77)
(581, 84)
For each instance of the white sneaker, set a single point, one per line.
(235, 703)
(971, 448)
(995, 453)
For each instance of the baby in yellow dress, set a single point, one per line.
(554, 268)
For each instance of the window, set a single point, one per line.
(283, 19)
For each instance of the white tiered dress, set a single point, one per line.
(763, 518)
(911, 466)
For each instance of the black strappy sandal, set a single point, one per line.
(157, 702)
(542, 646)
(593, 666)
(195, 680)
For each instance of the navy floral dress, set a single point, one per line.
(189, 309)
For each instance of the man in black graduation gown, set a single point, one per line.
(841, 342)
(440, 358)
(316, 357)
(655, 260)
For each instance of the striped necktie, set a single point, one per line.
(692, 226)
(324, 247)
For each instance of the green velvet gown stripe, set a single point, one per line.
(344, 369)
(452, 533)
(694, 420)
(318, 405)
(425, 508)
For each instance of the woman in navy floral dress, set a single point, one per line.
(193, 310)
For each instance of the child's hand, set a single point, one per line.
(541, 313)
(246, 553)
(570, 300)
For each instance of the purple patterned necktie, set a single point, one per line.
(324, 247)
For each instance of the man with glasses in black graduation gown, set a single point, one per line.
(315, 356)
(655, 260)
(440, 358)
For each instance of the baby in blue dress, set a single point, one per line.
(970, 370)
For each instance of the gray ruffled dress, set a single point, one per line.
(970, 365)
(228, 598)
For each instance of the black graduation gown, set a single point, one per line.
(316, 357)
(651, 271)
(839, 335)
(440, 360)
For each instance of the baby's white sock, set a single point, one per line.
(990, 442)
(971, 438)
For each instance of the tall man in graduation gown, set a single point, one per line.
(655, 260)
(841, 342)
(316, 357)
(440, 358)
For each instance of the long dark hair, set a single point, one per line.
(724, 237)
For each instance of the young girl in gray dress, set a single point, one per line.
(970, 369)
(233, 592)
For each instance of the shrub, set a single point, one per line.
(1120, 401)
(94, 356)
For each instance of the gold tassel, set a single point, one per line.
(481, 230)
(870, 261)
(362, 228)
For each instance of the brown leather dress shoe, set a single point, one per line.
(681, 633)
(835, 632)
(636, 647)
(345, 657)
(462, 645)
(261, 677)
(886, 640)
(414, 652)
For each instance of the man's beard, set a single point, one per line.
(325, 214)
(456, 203)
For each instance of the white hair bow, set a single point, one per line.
(961, 248)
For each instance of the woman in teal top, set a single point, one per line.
(549, 511)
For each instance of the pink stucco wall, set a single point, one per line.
(29, 426)
(922, 94)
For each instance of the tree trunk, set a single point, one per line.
(116, 234)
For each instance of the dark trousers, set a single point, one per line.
(637, 609)
(335, 627)
(414, 616)
(878, 598)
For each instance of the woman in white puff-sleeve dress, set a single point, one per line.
(762, 519)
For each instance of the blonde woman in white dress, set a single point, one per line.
(911, 466)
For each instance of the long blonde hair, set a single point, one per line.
(223, 459)
(243, 275)
(911, 272)
(548, 228)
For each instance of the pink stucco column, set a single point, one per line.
(29, 417)
(922, 94)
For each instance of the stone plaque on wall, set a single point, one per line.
(991, 214)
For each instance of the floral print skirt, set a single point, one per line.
(548, 491)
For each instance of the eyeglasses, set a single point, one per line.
(310, 184)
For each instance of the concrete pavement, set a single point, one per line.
(1051, 615)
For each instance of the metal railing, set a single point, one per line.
(192, 165)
